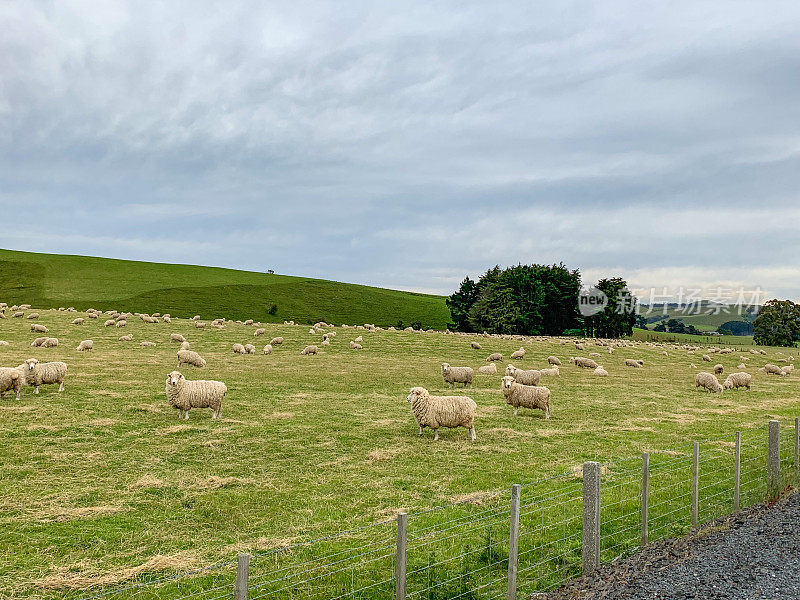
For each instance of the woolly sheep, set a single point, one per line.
(50, 342)
(718, 369)
(167, 319)
(522, 376)
(737, 380)
(39, 328)
(600, 372)
(38, 342)
(260, 331)
(4, 343)
(276, 341)
(453, 375)
(176, 337)
(200, 325)
(85, 345)
(707, 381)
(184, 346)
(126, 338)
(121, 323)
(526, 396)
(488, 369)
(249, 349)
(551, 372)
(586, 363)
(706, 358)
(78, 321)
(248, 322)
(359, 339)
(147, 344)
(771, 369)
(442, 411)
(190, 357)
(268, 349)
(24, 306)
(185, 395)
(309, 350)
(238, 349)
(11, 379)
(33, 315)
(356, 346)
(109, 323)
(630, 362)
(37, 374)
(326, 342)
(476, 345)
(518, 354)
(553, 360)
(494, 356)
(787, 369)
(742, 366)
(196, 318)
(580, 347)
(18, 314)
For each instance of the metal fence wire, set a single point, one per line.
(510, 543)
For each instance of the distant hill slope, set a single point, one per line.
(53, 280)
(708, 317)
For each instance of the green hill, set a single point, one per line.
(53, 280)
(707, 317)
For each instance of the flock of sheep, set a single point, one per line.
(520, 387)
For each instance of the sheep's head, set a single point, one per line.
(510, 370)
(31, 364)
(445, 367)
(507, 381)
(175, 378)
(416, 392)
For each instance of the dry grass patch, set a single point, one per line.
(147, 481)
(103, 422)
(380, 454)
(84, 512)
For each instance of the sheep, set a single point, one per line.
(586, 363)
(600, 372)
(494, 356)
(276, 341)
(742, 366)
(50, 342)
(630, 362)
(580, 347)
(359, 339)
(787, 369)
(356, 346)
(199, 324)
(32, 316)
(167, 319)
(268, 349)
(147, 344)
(38, 342)
(309, 350)
(476, 345)
(522, 376)
(39, 328)
(238, 349)
(553, 360)
(37, 374)
(249, 349)
(126, 338)
(190, 357)
(85, 345)
(706, 358)
(11, 378)
(18, 314)
(109, 323)
(248, 322)
(4, 343)
(737, 380)
(526, 396)
(442, 411)
(259, 331)
(708, 382)
(78, 321)
(453, 375)
(176, 337)
(489, 369)
(520, 354)
(121, 323)
(718, 369)
(196, 318)
(184, 346)
(326, 342)
(185, 395)
(551, 372)
(771, 369)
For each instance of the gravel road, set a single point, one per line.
(752, 555)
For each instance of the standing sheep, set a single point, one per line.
(706, 358)
(553, 360)
(494, 356)
(109, 323)
(268, 349)
(526, 396)
(586, 363)
(600, 372)
(551, 372)
(488, 369)
(259, 331)
(522, 376)
(276, 341)
(309, 350)
(121, 323)
(708, 382)
(50, 342)
(33, 316)
(737, 380)
(442, 411)
(85, 345)
(37, 374)
(475, 345)
(190, 357)
(200, 325)
(520, 354)
(176, 337)
(630, 362)
(39, 328)
(185, 395)
(718, 369)
(78, 321)
(11, 379)
(126, 338)
(249, 349)
(184, 346)
(453, 375)
(771, 369)
(238, 349)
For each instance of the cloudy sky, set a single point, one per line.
(408, 144)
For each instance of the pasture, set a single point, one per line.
(103, 478)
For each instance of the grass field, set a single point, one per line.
(53, 280)
(102, 478)
(686, 338)
(706, 316)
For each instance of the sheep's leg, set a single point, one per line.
(36, 389)
(186, 415)
(472, 433)
(515, 411)
(547, 413)
(420, 429)
(435, 435)
(61, 387)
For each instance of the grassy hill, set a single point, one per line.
(52, 280)
(708, 317)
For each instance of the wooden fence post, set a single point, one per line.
(696, 485)
(645, 495)
(797, 451)
(774, 460)
(591, 517)
(513, 544)
(240, 586)
(737, 470)
(400, 562)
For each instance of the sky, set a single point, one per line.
(409, 144)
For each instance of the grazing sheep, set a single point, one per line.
(494, 356)
(742, 366)
(121, 323)
(356, 346)
(268, 349)
(586, 363)
(553, 360)
(37, 374)
(38, 342)
(39, 328)
(126, 338)
(248, 322)
(4, 343)
(488, 369)
(706, 358)
(737, 380)
(78, 321)
(196, 318)
(309, 350)
(442, 411)
(630, 362)
(249, 349)
(708, 382)
(476, 345)
(18, 314)
(326, 342)
(260, 331)
(176, 337)
(199, 324)
(238, 349)
(147, 344)
(167, 319)
(85, 345)
(190, 357)
(276, 341)
(526, 396)
(771, 369)
(185, 395)
(50, 342)
(109, 323)
(551, 372)
(600, 372)
(522, 376)
(787, 369)
(184, 346)
(453, 375)
(718, 369)
(11, 379)
(32, 316)
(520, 354)
(580, 347)
(359, 339)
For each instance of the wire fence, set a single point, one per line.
(506, 543)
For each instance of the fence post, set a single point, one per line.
(645, 495)
(591, 516)
(797, 451)
(774, 460)
(696, 485)
(513, 544)
(737, 470)
(240, 586)
(400, 563)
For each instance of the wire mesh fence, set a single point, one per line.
(471, 550)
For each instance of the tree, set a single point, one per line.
(641, 322)
(660, 327)
(676, 326)
(460, 303)
(777, 324)
(618, 317)
(737, 327)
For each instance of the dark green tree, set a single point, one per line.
(661, 326)
(460, 303)
(777, 324)
(618, 317)
(676, 326)
(641, 322)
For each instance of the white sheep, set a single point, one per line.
(442, 411)
(249, 349)
(109, 323)
(600, 372)
(176, 337)
(309, 350)
(148, 344)
(268, 349)
(453, 375)
(50, 342)
(190, 357)
(476, 345)
(553, 360)
(708, 382)
(78, 321)
(11, 379)
(530, 377)
(737, 380)
(185, 346)
(238, 349)
(185, 395)
(85, 345)
(37, 374)
(126, 338)
(121, 323)
(630, 362)
(38, 328)
(359, 339)
(494, 356)
(526, 396)
(518, 354)
(259, 331)
(586, 363)
(706, 358)
(787, 369)
(718, 369)
(356, 346)
(771, 369)
(199, 324)
(489, 369)
(276, 341)
(38, 342)
(551, 372)
(32, 316)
